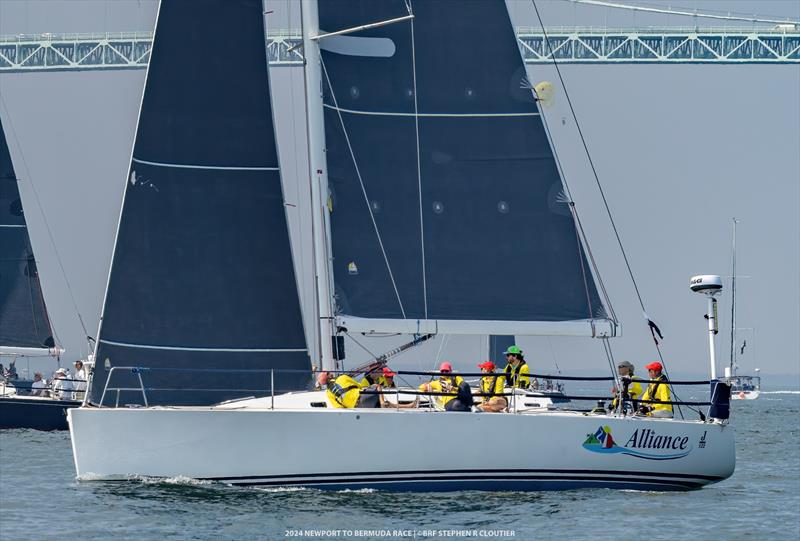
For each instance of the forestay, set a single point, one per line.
(202, 275)
(23, 316)
(447, 208)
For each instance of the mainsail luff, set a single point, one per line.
(24, 325)
(202, 276)
(447, 208)
(318, 177)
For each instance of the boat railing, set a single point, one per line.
(24, 388)
(219, 374)
(512, 395)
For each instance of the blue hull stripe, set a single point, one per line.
(492, 472)
(447, 483)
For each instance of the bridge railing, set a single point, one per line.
(121, 50)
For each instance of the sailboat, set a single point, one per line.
(742, 387)
(25, 329)
(431, 173)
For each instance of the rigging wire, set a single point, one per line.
(44, 220)
(419, 162)
(652, 326)
(553, 355)
(359, 344)
(568, 200)
(363, 188)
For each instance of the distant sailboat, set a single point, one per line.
(742, 387)
(440, 171)
(25, 329)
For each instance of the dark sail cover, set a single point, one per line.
(202, 275)
(23, 317)
(446, 199)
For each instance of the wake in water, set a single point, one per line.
(280, 489)
(780, 392)
(147, 480)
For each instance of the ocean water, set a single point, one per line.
(40, 499)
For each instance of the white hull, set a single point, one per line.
(249, 444)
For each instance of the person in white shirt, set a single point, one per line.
(79, 383)
(39, 386)
(62, 386)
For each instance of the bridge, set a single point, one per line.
(775, 45)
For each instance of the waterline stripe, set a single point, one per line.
(215, 167)
(633, 482)
(443, 115)
(493, 471)
(15, 226)
(180, 348)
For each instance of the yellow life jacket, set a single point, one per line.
(438, 386)
(658, 391)
(492, 385)
(634, 391)
(343, 392)
(518, 376)
(367, 380)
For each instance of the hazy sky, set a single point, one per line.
(680, 150)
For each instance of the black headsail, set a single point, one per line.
(202, 275)
(23, 316)
(448, 212)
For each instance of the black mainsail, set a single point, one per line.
(23, 315)
(202, 275)
(448, 212)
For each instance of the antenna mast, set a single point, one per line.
(733, 302)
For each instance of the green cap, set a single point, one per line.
(512, 350)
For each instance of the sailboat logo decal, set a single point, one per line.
(601, 441)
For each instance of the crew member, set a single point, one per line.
(445, 383)
(658, 390)
(463, 400)
(517, 372)
(625, 370)
(39, 386)
(342, 391)
(387, 379)
(378, 376)
(79, 383)
(491, 386)
(62, 386)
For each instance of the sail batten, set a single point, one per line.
(444, 189)
(412, 114)
(203, 348)
(202, 276)
(197, 166)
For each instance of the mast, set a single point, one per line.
(319, 181)
(733, 302)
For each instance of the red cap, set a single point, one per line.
(445, 367)
(655, 366)
(388, 372)
(488, 365)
